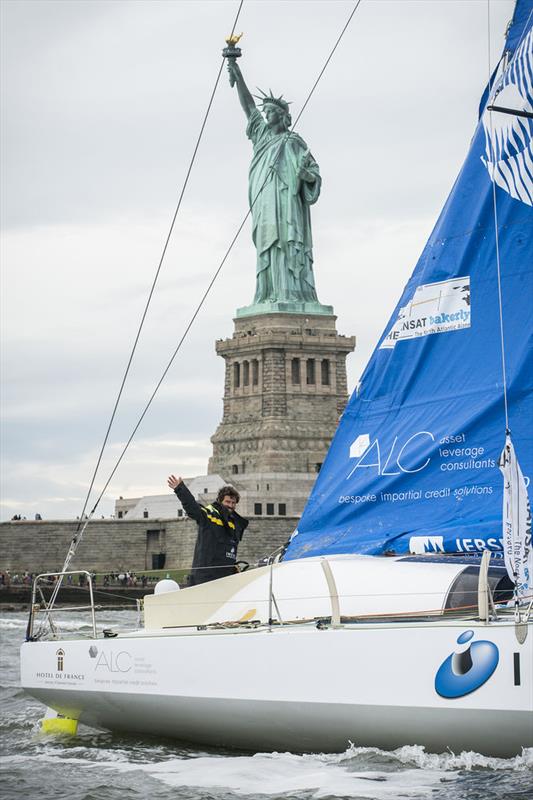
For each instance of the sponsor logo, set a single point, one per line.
(360, 445)
(508, 144)
(468, 668)
(435, 544)
(67, 676)
(112, 661)
(434, 308)
(403, 456)
(60, 674)
(426, 544)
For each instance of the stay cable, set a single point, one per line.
(80, 530)
(220, 266)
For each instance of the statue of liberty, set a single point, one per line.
(284, 181)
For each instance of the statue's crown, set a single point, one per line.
(270, 99)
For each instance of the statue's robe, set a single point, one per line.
(280, 203)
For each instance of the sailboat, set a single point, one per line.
(401, 609)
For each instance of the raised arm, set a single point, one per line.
(192, 508)
(246, 99)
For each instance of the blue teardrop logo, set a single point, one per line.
(468, 668)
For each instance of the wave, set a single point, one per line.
(9, 623)
(359, 772)
(13, 690)
(467, 760)
(63, 624)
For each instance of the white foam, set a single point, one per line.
(285, 773)
(44, 757)
(68, 625)
(467, 760)
(64, 626)
(418, 774)
(269, 774)
(118, 619)
(7, 624)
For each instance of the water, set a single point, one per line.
(105, 766)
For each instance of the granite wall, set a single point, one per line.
(115, 545)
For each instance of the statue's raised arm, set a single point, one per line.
(245, 97)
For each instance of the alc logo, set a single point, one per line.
(468, 668)
(114, 662)
(401, 457)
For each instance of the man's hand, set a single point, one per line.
(173, 482)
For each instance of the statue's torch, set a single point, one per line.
(232, 52)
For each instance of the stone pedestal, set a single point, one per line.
(285, 389)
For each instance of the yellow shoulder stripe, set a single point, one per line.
(216, 520)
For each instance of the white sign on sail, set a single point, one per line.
(518, 551)
(434, 308)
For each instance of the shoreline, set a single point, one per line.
(10, 608)
(18, 598)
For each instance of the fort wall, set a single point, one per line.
(116, 545)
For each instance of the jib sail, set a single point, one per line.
(414, 463)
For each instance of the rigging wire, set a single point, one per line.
(103, 592)
(220, 266)
(79, 533)
(80, 530)
(328, 59)
(495, 215)
(156, 276)
(496, 236)
(498, 272)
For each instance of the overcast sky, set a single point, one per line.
(103, 102)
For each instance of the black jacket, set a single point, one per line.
(219, 533)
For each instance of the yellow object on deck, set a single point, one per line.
(248, 615)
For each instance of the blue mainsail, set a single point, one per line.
(413, 466)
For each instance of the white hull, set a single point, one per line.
(292, 687)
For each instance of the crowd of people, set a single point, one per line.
(38, 517)
(128, 579)
(24, 579)
(123, 578)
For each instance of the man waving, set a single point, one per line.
(220, 529)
